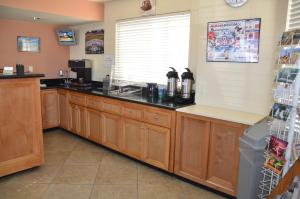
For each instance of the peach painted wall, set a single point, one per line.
(74, 8)
(48, 61)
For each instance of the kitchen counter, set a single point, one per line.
(28, 75)
(135, 99)
(223, 114)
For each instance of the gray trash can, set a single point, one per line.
(252, 146)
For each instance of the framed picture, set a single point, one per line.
(94, 42)
(147, 7)
(233, 41)
(28, 44)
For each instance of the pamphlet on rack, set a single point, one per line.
(287, 75)
(289, 55)
(281, 91)
(280, 111)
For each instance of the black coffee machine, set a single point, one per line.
(83, 70)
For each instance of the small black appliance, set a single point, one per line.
(20, 69)
(83, 71)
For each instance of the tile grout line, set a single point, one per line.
(93, 185)
(60, 167)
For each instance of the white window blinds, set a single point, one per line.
(293, 18)
(147, 47)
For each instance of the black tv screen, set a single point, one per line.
(66, 37)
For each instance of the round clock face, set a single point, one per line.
(236, 3)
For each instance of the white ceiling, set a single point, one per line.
(27, 15)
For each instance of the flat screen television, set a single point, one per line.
(66, 37)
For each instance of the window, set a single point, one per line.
(293, 18)
(147, 47)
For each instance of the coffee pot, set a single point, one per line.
(172, 82)
(187, 80)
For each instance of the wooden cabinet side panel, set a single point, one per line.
(191, 150)
(50, 108)
(223, 163)
(21, 142)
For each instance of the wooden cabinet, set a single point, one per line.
(223, 161)
(21, 137)
(207, 151)
(157, 146)
(191, 151)
(93, 125)
(111, 131)
(50, 108)
(133, 137)
(77, 119)
(64, 109)
(142, 132)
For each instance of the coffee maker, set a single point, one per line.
(82, 69)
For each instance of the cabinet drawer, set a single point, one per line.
(133, 112)
(111, 106)
(77, 98)
(93, 102)
(157, 117)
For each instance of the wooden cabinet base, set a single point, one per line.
(207, 151)
(21, 141)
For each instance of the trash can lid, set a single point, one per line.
(255, 135)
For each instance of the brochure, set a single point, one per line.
(280, 111)
(296, 37)
(286, 38)
(274, 163)
(287, 75)
(294, 56)
(277, 147)
(285, 54)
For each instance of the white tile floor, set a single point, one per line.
(78, 169)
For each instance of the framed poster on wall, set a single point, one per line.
(233, 41)
(94, 42)
(28, 44)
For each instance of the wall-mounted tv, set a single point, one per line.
(66, 37)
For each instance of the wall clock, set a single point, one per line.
(236, 3)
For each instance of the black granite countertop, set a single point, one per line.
(135, 99)
(26, 75)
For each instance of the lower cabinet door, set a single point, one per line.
(133, 138)
(223, 163)
(82, 121)
(157, 146)
(63, 110)
(78, 116)
(74, 117)
(191, 148)
(50, 108)
(111, 131)
(93, 125)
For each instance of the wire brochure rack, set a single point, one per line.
(284, 125)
